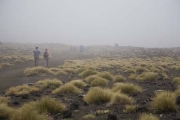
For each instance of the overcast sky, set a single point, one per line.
(145, 23)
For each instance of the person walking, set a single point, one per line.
(36, 56)
(46, 56)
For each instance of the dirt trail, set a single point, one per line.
(12, 77)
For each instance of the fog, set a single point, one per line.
(144, 23)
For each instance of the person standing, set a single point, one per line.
(36, 56)
(46, 56)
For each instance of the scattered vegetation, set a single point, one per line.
(148, 117)
(120, 98)
(87, 73)
(88, 117)
(105, 75)
(37, 70)
(99, 81)
(126, 88)
(119, 78)
(21, 90)
(164, 101)
(49, 83)
(98, 95)
(66, 89)
(147, 76)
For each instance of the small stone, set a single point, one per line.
(112, 117)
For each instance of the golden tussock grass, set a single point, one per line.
(21, 90)
(5, 111)
(88, 117)
(140, 69)
(61, 72)
(87, 72)
(99, 81)
(164, 101)
(177, 80)
(105, 75)
(119, 78)
(78, 83)
(50, 105)
(98, 95)
(147, 76)
(49, 83)
(66, 89)
(90, 78)
(148, 117)
(28, 112)
(37, 70)
(120, 98)
(4, 100)
(130, 109)
(126, 88)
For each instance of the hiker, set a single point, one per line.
(46, 56)
(36, 56)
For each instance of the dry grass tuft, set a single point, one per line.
(66, 89)
(126, 88)
(177, 80)
(61, 72)
(120, 98)
(148, 117)
(119, 78)
(78, 83)
(164, 101)
(90, 78)
(98, 95)
(147, 76)
(37, 70)
(130, 109)
(105, 75)
(87, 72)
(49, 105)
(21, 90)
(88, 117)
(48, 83)
(99, 81)
(5, 111)
(4, 100)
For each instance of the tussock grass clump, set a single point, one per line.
(4, 100)
(148, 117)
(69, 70)
(177, 80)
(140, 69)
(130, 71)
(66, 89)
(5, 111)
(78, 83)
(28, 112)
(48, 83)
(105, 75)
(50, 105)
(90, 78)
(88, 117)
(87, 72)
(21, 90)
(130, 109)
(18, 61)
(99, 81)
(147, 76)
(126, 88)
(119, 78)
(37, 70)
(164, 101)
(61, 72)
(98, 95)
(121, 99)
(132, 76)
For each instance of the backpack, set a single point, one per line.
(45, 54)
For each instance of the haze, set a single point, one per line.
(144, 23)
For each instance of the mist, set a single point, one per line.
(142, 23)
